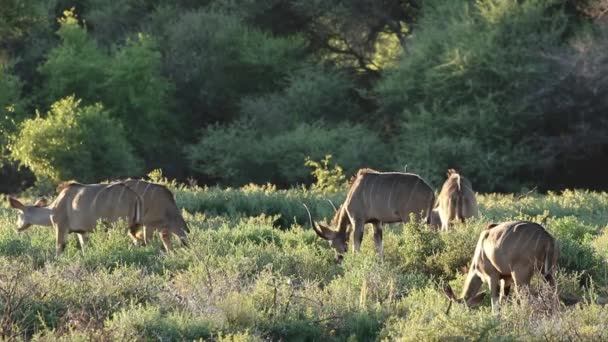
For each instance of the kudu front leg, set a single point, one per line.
(494, 283)
(82, 240)
(378, 239)
(358, 235)
(61, 235)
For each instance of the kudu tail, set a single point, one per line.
(459, 202)
(137, 216)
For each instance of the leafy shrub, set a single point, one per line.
(327, 180)
(238, 153)
(74, 142)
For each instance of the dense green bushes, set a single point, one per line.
(75, 142)
(242, 153)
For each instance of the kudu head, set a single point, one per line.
(338, 240)
(472, 302)
(27, 213)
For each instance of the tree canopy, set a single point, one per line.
(511, 93)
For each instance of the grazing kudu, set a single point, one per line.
(510, 252)
(377, 198)
(160, 213)
(456, 201)
(78, 208)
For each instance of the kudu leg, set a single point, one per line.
(359, 227)
(378, 238)
(165, 237)
(82, 240)
(495, 293)
(61, 235)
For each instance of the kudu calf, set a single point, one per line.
(510, 252)
(377, 198)
(160, 213)
(79, 207)
(456, 201)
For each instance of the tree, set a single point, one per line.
(74, 142)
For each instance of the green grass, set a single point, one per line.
(243, 279)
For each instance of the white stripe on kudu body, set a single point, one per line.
(376, 197)
(79, 207)
(499, 256)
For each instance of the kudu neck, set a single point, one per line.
(40, 216)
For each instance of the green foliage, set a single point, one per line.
(11, 107)
(215, 59)
(77, 66)
(239, 153)
(327, 180)
(461, 91)
(138, 95)
(68, 143)
(310, 93)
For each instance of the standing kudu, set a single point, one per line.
(510, 252)
(377, 198)
(79, 207)
(456, 201)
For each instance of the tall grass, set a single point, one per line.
(244, 279)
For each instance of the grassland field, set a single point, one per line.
(255, 270)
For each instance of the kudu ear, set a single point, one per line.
(41, 202)
(449, 292)
(476, 300)
(14, 203)
(491, 225)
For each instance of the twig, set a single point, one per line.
(526, 194)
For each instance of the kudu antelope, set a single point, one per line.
(456, 201)
(160, 213)
(510, 252)
(77, 209)
(377, 198)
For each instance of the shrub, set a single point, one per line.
(240, 153)
(74, 142)
(327, 180)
